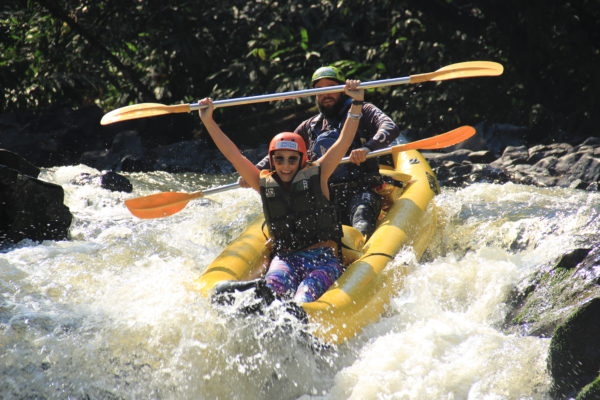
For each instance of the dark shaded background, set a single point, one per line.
(100, 55)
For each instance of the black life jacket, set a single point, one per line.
(301, 216)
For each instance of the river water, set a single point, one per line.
(111, 314)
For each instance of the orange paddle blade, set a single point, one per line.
(447, 139)
(168, 203)
(160, 205)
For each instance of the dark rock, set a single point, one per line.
(557, 150)
(558, 164)
(540, 180)
(481, 157)
(593, 141)
(574, 355)
(572, 259)
(188, 156)
(495, 137)
(56, 137)
(115, 182)
(464, 174)
(16, 162)
(456, 156)
(546, 166)
(108, 180)
(31, 208)
(134, 164)
(516, 155)
(593, 187)
(124, 144)
(587, 168)
(61, 136)
(576, 184)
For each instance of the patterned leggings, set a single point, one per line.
(304, 275)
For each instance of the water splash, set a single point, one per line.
(110, 313)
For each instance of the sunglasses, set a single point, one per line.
(280, 160)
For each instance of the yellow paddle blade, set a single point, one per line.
(461, 70)
(160, 205)
(142, 110)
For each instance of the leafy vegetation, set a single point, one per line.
(112, 53)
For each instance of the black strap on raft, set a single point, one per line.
(393, 182)
(262, 228)
(346, 246)
(378, 254)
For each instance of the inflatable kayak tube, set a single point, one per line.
(359, 296)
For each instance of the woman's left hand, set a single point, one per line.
(352, 90)
(206, 113)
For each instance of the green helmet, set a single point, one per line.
(328, 72)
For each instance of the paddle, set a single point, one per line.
(168, 203)
(460, 70)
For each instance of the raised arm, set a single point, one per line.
(243, 166)
(331, 159)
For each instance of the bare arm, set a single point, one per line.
(331, 159)
(242, 165)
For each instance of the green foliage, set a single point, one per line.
(73, 53)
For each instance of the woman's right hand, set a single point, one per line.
(206, 113)
(242, 182)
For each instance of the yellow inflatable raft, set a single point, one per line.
(359, 296)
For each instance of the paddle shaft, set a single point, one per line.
(218, 189)
(299, 93)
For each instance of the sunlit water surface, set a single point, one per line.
(111, 312)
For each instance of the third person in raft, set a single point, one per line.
(302, 222)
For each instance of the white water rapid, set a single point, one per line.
(110, 313)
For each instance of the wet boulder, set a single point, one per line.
(574, 356)
(107, 180)
(544, 165)
(15, 161)
(30, 208)
(463, 167)
(557, 164)
(543, 301)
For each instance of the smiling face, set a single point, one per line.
(286, 163)
(328, 103)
